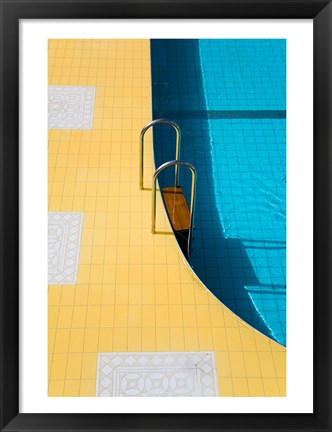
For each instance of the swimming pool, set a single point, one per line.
(229, 98)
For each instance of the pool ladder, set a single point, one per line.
(180, 217)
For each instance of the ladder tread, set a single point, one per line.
(177, 208)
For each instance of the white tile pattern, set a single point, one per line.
(64, 237)
(166, 374)
(70, 107)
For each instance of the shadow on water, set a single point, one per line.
(221, 263)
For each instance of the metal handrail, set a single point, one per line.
(177, 147)
(192, 197)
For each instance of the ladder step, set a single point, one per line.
(177, 208)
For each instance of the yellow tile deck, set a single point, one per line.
(134, 292)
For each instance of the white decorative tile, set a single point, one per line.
(161, 374)
(64, 238)
(70, 107)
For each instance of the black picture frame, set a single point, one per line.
(11, 13)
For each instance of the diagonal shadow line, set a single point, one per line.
(223, 114)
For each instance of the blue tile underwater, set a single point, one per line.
(229, 98)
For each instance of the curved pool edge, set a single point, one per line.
(192, 272)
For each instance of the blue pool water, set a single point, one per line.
(229, 98)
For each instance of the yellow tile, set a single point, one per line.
(121, 294)
(87, 388)
(262, 343)
(225, 387)
(79, 316)
(230, 320)
(201, 295)
(189, 316)
(205, 338)
(86, 255)
(76, 342)
(237, 364)
(161, 293)
(93, 316)
(56, 388)
(66, 204)
(248, 339)
(72, 388)
(280, 363)
(148, 274)
(240, 386)
(163, 342)
(135, 254)
(108, 294)
(68, 189)
(91, 340)
(256, 387)
(188, 294)
(121, 316)
(83, 276)
(160, 255)
(134, 293)
(252, 364)
(162, 316)
(266, 365)
(191, 339)
(176, 316)
(148, 316)
(55, 204)
(282, 383)
(91, 188)
(173, 274)
(74, 366)
(174, 292)
(89, 223)
(65, 317)
(109, 276)
(81, 295)
(134, 316)
(59, 364)
(275, 347)
(148, 339)
(122, 254)
(105, 339)
(135, 274)
(51, 340)
(233, 339)
(68, 294)
(120, 339)
(54, 294)
(271, 387)
(103, 190)
(94, 294)
(78, 203)
(107, 316)
(222, 364)
(134, 339)
(219, 339)
(203, 315)
(96, 274)
(123, 237)
(109, 254)
(148, 294)
(53, 313)
(99, 237)
(147, 255)
(62, 341)
(89, 366)
(122, 274)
